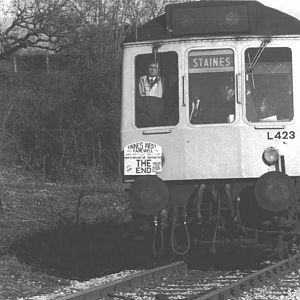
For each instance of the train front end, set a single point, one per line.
(214, 125)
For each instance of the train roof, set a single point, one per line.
(207, 18)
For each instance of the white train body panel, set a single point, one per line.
(215, 151)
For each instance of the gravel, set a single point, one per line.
(76, 286)
(286, 288)
(190, 284)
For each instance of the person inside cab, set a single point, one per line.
(151, 83)
(212, 101)
(226, 105)
(195, 109)
(150, 104)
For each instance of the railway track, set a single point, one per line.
(175, 281)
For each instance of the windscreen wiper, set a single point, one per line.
(258, 54)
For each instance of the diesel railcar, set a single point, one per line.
(210, 128)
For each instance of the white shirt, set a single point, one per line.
(148, 89)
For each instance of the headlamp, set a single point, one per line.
(270, 156)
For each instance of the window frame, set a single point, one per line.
(256, 44)
(236, 65)
(136, 91)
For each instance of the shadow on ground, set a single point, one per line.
(85, 251)
(231, 258)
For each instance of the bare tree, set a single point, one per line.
(46, 24)
(61, 120)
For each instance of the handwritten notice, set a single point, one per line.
(142, 158)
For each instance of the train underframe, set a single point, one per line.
(222, 213)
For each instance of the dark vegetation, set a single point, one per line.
(60, 81)
(59, 123)
(62, 203)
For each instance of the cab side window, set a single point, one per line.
(269, 90)
(156, 92)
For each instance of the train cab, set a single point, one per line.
(210, 96)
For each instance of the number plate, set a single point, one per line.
(281, 135)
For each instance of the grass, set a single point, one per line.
(40, 220)
(18, 280)
(30, 205)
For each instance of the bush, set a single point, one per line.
(51, 122)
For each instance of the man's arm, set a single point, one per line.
(142, 89)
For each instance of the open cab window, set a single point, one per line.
(212, 88)
(269, 90)
(156, 92)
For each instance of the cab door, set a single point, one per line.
(212, 138)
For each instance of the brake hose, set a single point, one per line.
(213, 247)
(173, 237)
(156, 237)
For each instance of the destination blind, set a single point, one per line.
(211, 61)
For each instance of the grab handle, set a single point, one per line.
(183, 99)
(237, 81)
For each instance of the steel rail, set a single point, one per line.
(266, 275)
(258, 278)
(132, 281)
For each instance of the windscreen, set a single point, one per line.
(269, 90)
(211, 86)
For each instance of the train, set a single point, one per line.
(210, 123)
